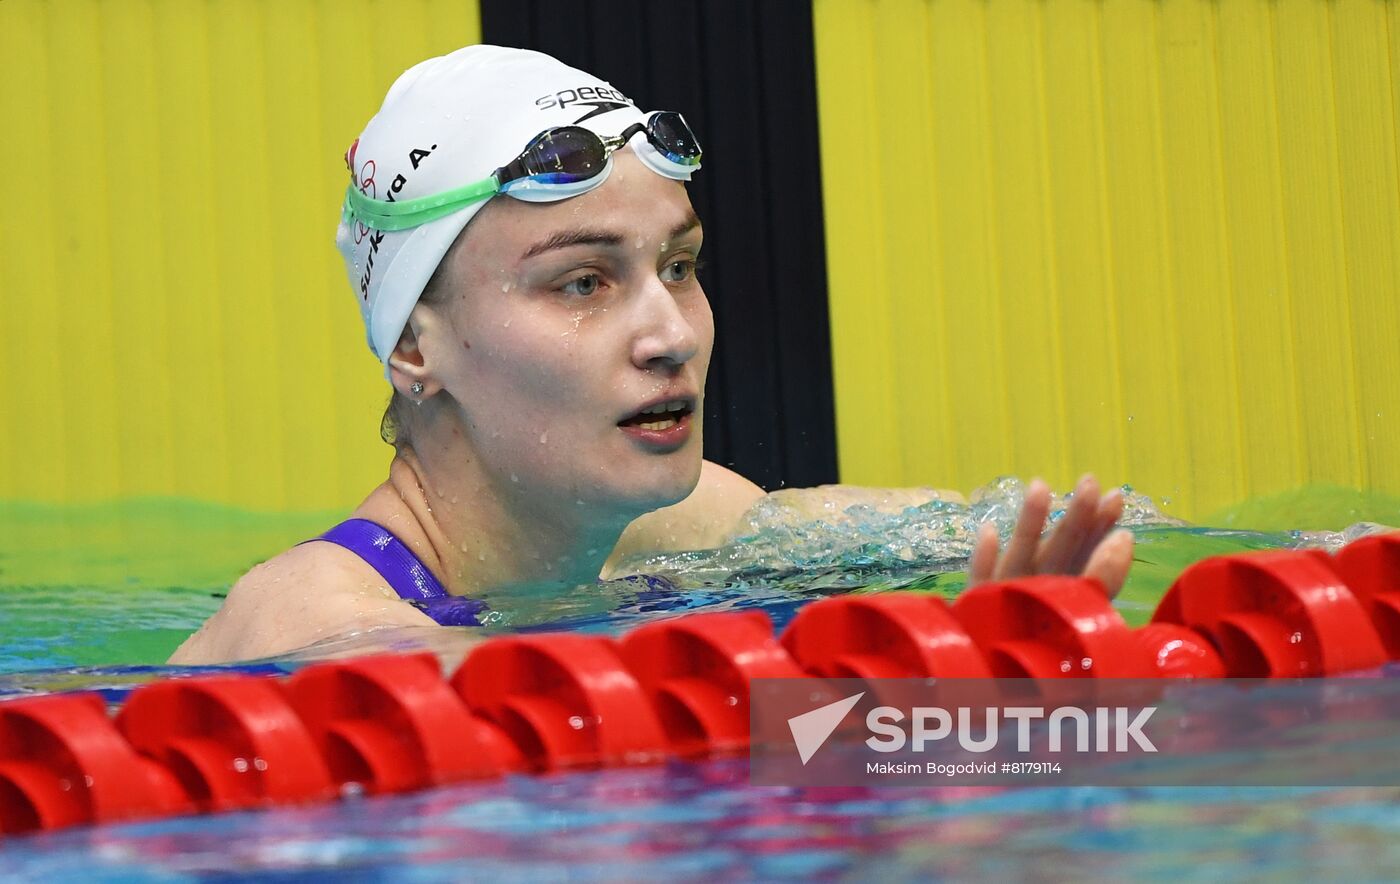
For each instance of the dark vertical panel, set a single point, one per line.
(619, 42)
(567, 25)
(743, 74)
(507, 24)
(745, 316)
(796, 264)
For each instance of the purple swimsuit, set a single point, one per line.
(409, 577)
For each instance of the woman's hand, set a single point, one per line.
(1083, 542)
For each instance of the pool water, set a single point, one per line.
(122, 584)
(97, 597)
(702, 822)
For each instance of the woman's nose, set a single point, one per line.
(666, 335)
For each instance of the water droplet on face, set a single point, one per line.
(481, 557)
(505, 286)
(544, 437)
(514, 477)
(641, 243)
(506, 324)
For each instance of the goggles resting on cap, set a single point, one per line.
(558, 163)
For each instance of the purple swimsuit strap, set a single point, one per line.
(403, 571)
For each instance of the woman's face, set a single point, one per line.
(569, 319)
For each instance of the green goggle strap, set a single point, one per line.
(403, 214)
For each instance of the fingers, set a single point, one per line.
(1111, 560)
(1019, 558)
(1058, 553)
(1080, 544)
(1110, 507)
(984, 556)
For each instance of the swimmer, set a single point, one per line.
(520, 241)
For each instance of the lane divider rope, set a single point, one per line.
(677, 688)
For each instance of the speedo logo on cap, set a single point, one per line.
(600, 98)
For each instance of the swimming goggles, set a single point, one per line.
(558, 163)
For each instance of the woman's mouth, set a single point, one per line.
(664, 425)
(661, 416)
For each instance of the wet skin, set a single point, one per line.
(530, 466)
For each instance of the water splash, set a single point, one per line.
(801, 542)
(845, 536)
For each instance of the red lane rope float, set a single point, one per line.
(391, 724)
(1169, 650)
(696, 672)
(1045, 627)
(566, 700)
(1067, 627)
(232, 741)
(1276, 614)
(1371, 568)
(890, 635)
(551, 702)
(63, 763)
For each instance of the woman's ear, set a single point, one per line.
(409, 369)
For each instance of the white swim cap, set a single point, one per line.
(447, 122)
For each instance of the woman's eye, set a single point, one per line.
(678, 271)
(583, 286)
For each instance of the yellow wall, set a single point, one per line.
(1157, 240)
(175, 314)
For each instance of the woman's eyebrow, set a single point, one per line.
(565, 238)
(584, 237)
(690, 223)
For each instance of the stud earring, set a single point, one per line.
(416, 388)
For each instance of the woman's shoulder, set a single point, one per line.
(311, 592)
(720, 498)
(705, 519)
